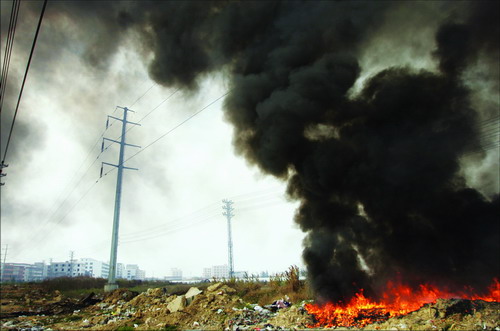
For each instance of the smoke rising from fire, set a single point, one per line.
(377, 169)
(378, 173)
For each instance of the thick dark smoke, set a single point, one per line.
(377, 169)
(378, 173)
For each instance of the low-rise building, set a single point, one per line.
(132, 272)
(14, 272)
(25, 272)
(216, 271)
(82, 267)
(93, 268)
(175, 274)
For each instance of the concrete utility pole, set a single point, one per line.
(111, 285)
(228, 209)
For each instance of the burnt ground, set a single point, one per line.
(217, 307)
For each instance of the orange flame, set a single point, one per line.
(397, 300)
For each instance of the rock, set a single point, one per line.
(214, 287)
(191, 294)
(193, 291)
(156, 292)
(178, 304)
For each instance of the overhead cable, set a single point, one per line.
(24, 80)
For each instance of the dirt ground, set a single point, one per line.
(218, 307)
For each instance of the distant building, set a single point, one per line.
(81, 267)
(175, 274)
(15, 272)
(132, 272)
(24, 272)
(216, 271)
(37, 272)
(120, 271)
(207, 273)
(93, 268)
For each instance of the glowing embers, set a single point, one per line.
(397, 300)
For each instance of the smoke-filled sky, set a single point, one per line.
(379, 119)
(171, 208)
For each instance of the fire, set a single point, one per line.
(398, 299)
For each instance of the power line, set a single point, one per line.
(171, 230)
(161, 103)
(60, 219)
(139, 98)
(171, 130)
(188, 221)
(8, 49)
(74, 205)
(75, 186)
(176, 221)
(24, 79)
(213, 207)
(178, 125)
(53, 213)
(489, 120)
(179, 227)
(485, 148)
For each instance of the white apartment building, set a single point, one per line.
(207, 273)
(216, 271)
(65, 269)
(175, 274)
(24, 272)
(81, 267)
(120, 271)
(130, 272)
(93, 268)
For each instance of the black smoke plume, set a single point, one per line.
(376, 166)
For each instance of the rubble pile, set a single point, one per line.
(218, 307)
(23, 301)
(451, 314)
(215, 308)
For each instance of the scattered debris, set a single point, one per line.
(216, 308)
(452, 314)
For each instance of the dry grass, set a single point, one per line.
(279, 286)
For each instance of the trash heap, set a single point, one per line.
(218, 307)
(447, 314)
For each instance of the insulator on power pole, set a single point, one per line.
(102, 146)
(102, 167)
(3, 165)
(107, 123)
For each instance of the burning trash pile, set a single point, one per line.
(219, 307)
(400, 300)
